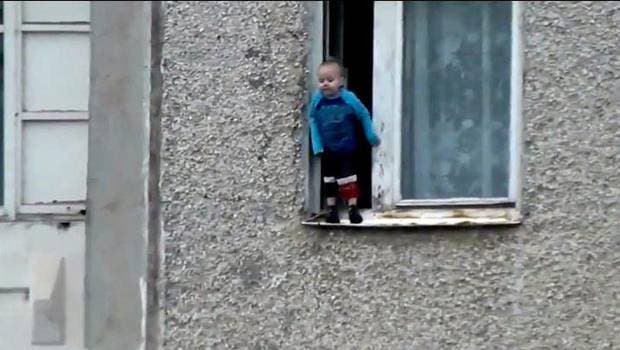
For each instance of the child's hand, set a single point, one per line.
(376, 142)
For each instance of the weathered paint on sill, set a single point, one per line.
(478, 213)
(429, 217)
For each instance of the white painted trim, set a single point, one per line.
(311, 165)
(453, 201)
(64, 116)
(398, 99)
(1, 28)
(387, 80)
(12, 96)
(71, 28)
(516, 101)
(18, 54)
(71, 208)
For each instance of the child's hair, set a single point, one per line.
(336, 61)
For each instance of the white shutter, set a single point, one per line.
(47, 52)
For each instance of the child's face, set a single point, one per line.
(330, 80)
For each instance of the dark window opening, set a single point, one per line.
(348, 35)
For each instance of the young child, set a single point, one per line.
(333, 114)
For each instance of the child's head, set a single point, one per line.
(330, 76)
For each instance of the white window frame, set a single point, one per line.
(10, 95)
(388, 206)
(14, 117)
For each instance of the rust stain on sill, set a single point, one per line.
(429, 217)
(506, 214)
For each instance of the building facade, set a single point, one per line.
(243, 271)
(491, 207)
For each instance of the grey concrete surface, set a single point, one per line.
(122, 218)
(242, 273)
(49, 316)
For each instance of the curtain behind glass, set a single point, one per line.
(456, 99)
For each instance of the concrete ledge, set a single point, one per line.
(426, 217)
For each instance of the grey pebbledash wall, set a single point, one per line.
(242, 273)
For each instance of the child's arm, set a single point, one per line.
(364, 116)
(317, 145)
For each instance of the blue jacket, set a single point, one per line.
(322, 134)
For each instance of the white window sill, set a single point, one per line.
(37, 213)
(43, 218)
(428, 218)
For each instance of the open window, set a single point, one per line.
(348, 34)
(445, 97)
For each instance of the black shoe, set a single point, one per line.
(333, 217)
(354, 215)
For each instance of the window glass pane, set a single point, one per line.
(456, 99)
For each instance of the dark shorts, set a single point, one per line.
(337, 165)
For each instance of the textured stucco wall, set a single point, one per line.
(242, 272)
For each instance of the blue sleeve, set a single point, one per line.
(315, 137)
(364, 116)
